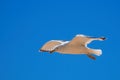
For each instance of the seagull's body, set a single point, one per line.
(77, 45)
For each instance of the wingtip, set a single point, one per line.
(103, 38)
(39, 50)
(43, 50)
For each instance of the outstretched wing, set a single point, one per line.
(51, 45)
(83, 40)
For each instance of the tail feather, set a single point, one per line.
(97, 52)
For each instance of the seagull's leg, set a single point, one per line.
(90, 56)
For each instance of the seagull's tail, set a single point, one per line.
(97, 52)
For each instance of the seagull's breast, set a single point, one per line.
(72, 49)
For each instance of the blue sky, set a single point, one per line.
(25, 25)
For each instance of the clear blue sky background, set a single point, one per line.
(25, 25)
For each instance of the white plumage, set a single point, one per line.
(77, 45)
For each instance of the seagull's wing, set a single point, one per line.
(83, 40)
(51, 45)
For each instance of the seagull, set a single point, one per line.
(78, 45)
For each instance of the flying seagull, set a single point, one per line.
(78, 45)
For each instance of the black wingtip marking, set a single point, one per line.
(103, 38)
(43, 50)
